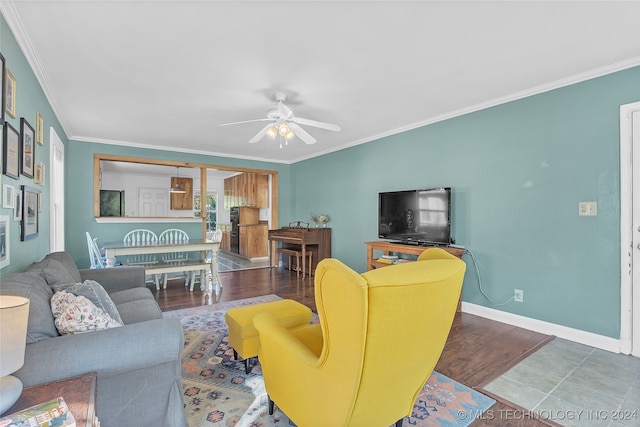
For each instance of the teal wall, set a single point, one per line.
(79, 193)
(518, 171)
(30, 100)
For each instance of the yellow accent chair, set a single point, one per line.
(378, 340)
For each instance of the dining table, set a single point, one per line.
(209, 248)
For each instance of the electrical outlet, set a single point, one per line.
(588, 209)
(518, 295)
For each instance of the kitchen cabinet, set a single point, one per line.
(246, 189)
(182, 201)
(254, 241)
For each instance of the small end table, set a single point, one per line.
(78, 392)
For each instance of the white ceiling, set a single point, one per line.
(164, 74)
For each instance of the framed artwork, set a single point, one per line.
(2, 80)
(5, 228)
(17, 207)
(11, 152)
(39, 129)
(38, 176)
(27, 138)
(9, 93)
(30, 213)
(8, 196)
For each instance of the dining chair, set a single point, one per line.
(141, 237)
(97, 260)
(174, 236)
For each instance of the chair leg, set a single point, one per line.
(271, 405)
(399, 422)
(247, 368)
(192, 279)
(235, 355)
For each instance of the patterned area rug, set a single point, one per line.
(217, 392)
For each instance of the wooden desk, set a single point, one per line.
(78, 392)
(388, 247)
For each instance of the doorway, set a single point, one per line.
(56, 196)
(630, 228)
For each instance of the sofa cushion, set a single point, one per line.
(75, 314)
(56, 269)
(32, 285)
(93, 291)
(133, 294)
(139, 311)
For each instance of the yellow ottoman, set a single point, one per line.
(243, 336)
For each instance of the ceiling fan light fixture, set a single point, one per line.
(283, 129)
(273, 132)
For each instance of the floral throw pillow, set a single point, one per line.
(77, 314)
(95, 293)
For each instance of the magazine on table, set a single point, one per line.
(52, 413)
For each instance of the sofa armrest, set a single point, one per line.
(116, 278)
(108, 352)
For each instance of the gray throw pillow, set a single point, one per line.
(31, 285)
(55, 272)
(94, 292)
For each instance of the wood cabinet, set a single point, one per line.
(182, 201)
(254, 240)
(247, 189)
(248, 215)
(225, 243)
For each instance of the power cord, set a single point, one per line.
(473, 258)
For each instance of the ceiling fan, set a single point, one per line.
(284, 123)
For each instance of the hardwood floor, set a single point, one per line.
(477, 351)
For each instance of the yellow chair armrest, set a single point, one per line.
(275, 338)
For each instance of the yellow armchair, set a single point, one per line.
(378, 340)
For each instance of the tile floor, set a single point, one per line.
(231, 262)
(575, 385)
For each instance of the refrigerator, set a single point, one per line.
(111, 203)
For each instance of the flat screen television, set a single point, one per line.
(419, 217)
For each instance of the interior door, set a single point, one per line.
(630, 229)
(635, 287)
(153, 202)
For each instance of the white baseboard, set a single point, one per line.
(571, 334)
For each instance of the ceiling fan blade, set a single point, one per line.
(244, 121)
(317, 124)
(301, 133)
(261, 134)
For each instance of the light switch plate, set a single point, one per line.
(587, 208)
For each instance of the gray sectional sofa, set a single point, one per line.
(138, 364)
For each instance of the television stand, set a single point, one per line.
(388, 247)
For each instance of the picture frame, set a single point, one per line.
(39, 129)
(38, 176)
(2, 94)
(11, 152)
(10, 90)
(8, 196)
(5, 241)
(27, 148)
(30, 213)
(17, 209)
